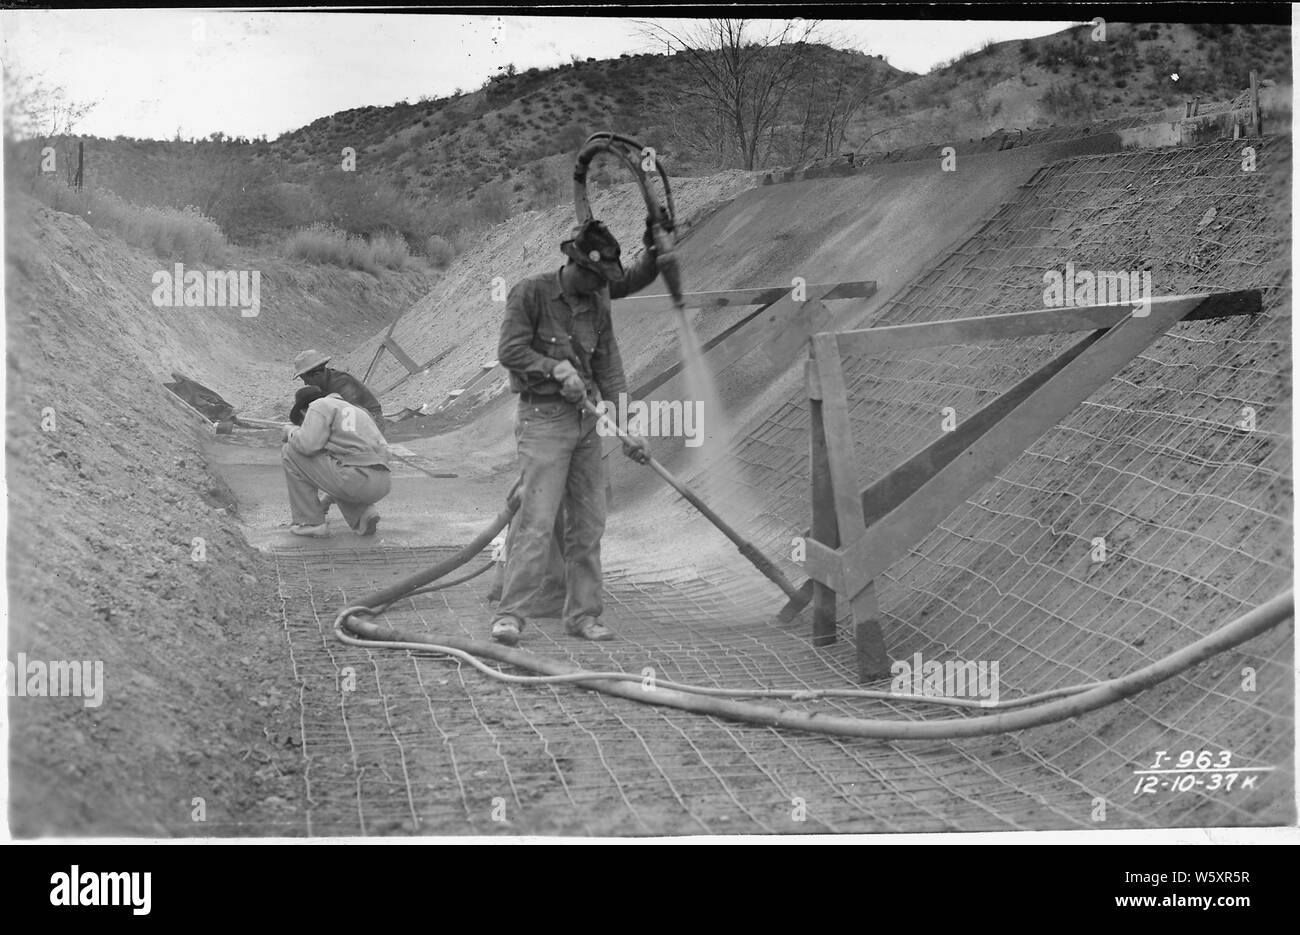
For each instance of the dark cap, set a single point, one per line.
(301, 400)
(593, 247)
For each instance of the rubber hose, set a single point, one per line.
(1232, 634)
(382, 598)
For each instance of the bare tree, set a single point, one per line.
(743, 75)
(37, 116)
(831, 97)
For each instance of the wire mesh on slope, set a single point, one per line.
(1182, 463)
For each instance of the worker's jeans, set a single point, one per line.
(353, 488)
(561, 468)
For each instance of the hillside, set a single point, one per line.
(1068, 78)
(465, 141)
(455, 165)
(108, 499)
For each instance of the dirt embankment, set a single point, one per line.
(123, 547)
(247, 359)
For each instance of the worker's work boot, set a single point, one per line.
(505, 630)
(320, 531)
(589, 628)
(368, 523)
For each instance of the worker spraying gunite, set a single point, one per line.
(558, 343)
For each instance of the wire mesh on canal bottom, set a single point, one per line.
(395, 743)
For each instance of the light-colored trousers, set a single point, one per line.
(561, 516)
(353, 488)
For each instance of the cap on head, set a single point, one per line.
(593, 247)
(305, 396)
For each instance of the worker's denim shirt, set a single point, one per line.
(542, 328)
(353, 390)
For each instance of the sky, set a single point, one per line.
(153, 73)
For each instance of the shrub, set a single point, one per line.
(170, 233)
(327, 245)
(439, 251)
(390, 251)
(361, 205)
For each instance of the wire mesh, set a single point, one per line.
(1182, 462)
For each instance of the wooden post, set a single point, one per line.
(81, 164)
(1256, 117)
(379, 351)
(824, 527)
(846, 494)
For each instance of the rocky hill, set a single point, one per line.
(459, 163)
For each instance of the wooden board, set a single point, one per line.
(783, 347)
(824, 527)
(841, 464)
(402, 358)
(739, 298)
(1047, 321)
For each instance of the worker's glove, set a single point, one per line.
(648, 238)
(634, 447)
(285, 432)
(571, 386)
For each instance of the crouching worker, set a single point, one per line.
(334, 448)
(557, 341)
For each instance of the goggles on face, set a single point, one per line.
(597, 257)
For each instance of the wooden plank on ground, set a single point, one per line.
(190, 410)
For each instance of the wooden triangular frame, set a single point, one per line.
(857, 534)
